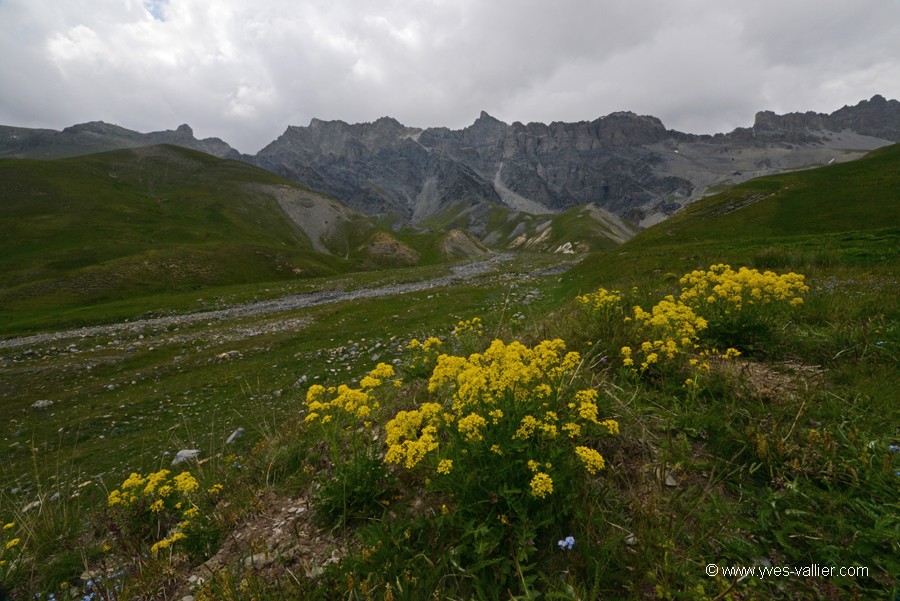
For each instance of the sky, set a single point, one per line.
(244, 70)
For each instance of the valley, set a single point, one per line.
(147, 311)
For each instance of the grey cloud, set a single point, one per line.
(243, 71)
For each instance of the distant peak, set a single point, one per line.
(92, 127)
(485, 119)
(184, 128)
(388, 121)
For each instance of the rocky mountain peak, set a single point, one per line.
(485, 119)
(93, 127)
(624, 162)
(625, 127)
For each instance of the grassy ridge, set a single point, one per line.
(130, 222)
(119, 234)
(860, 195)
(840, 216)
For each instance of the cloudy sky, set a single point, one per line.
(244, 70)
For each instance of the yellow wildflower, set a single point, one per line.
(153, 480)
(526, 427)
(470, 426)
(541, 485)
(592, 460)
(186, 483)
(572, 429)
(134, 481)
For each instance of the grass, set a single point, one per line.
(103, 234)
(781, 458)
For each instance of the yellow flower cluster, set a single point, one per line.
(167, 542)
(9, 549)
(412, 434)
(482, 378)
(423, 355)
(469, 326)
(674, 328)
(541, 485)
(507, 389)
(323, 404)
(672, 319)
(159, 497)
(602, 301)
(430, 345)
(729, 290)
(153, 487)
(593, 461)
(470, 426)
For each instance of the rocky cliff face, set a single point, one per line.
(386, 168)
(628, 164)
(625, 163)
(878, 117)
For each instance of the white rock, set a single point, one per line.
(234, 436)
(184, 455)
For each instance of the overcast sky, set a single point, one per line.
(244, 70)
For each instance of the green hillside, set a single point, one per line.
(136, 221)
(110, 229)
(840, 215)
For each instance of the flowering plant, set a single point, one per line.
(353, 482)
(505, 432)
(165, 508)
(10, 549)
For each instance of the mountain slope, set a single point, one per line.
(627, 164)
(156, 219)
(839, 215)
(96, 136)
(624, 163)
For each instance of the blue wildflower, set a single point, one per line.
(566, 544)
(894, 448)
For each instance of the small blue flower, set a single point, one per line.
(894, 448)
(567, 544)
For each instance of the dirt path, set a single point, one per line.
(459, 273)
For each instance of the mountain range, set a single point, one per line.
(626, 164)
